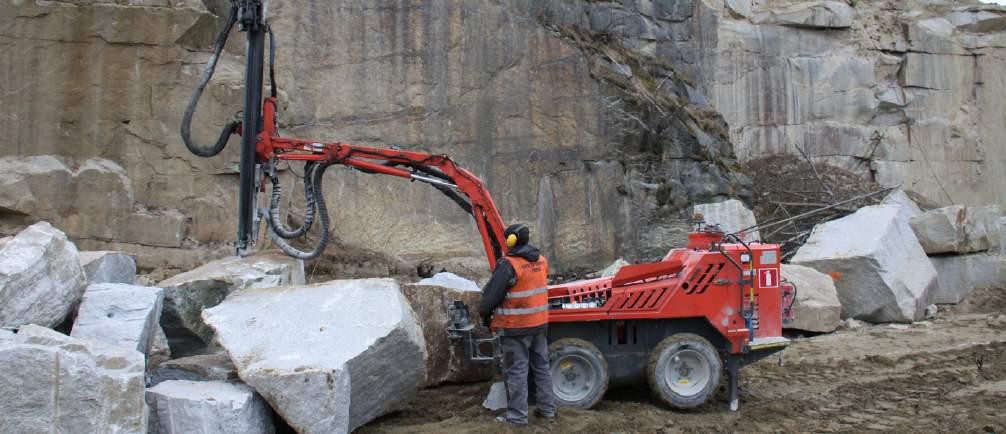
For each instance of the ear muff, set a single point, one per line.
(511, 240)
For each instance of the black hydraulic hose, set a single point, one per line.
(322, 211)
(272, 62)
(275, 218)
(230, 127)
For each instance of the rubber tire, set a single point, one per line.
(588, 351)
(662, 354)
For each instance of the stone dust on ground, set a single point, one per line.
(944, 375)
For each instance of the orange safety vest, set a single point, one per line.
(526, 303)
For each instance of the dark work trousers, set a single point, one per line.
(519, 354)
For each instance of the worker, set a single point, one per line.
(516, 298)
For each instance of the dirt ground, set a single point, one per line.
(943, 375)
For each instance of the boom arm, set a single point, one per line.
(262, 147)
(437, 170)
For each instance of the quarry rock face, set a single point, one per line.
(852, 89)
(108, 267)
(476, 101)
(445, 361)
(41, 279)
(669, 96)
(207, 407)
(958, 275)
(817, 308)
(358, 351)
(56, 383)
(880, 270)
(188, 293)
(119, 314)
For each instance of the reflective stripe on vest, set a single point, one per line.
(526, 303)
(521, 310)
(528, 293)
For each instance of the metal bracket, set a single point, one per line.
(462, 330)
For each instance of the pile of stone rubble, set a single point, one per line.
(237, 345)
(888, 262)
(243, 345)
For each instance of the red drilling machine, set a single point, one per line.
(679, 324)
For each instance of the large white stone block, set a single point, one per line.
(207, 407)
(730, 215)
(120, 314)
(880, 270)
(328, 357)
(958, 229)
(108, 267)
(817, 308)
(446, 361)
(55, 383)
(41, 279)
(187, 294)
(450, 280)
(958, 275)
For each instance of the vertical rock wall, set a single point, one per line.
(596, 123)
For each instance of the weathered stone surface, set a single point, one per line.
(206, 407)
(880, 270)
(6, 335)
(958, 229)
(160, 351)
(56, 383)
(358, 352)
(824, 15)
(879, 88)
(959, 275)
(905, 92)
(909, 208)
(99, 201)
(187, 294)
(1002, 236)
(612, 269)
(445, 361)
(816, 308)
(450, 280)
(108, 267)
(515, 91)
(41, 279)
(204, 367)
(119, 314)
(730, 215)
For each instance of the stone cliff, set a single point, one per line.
(597, 123)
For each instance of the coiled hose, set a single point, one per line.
(200, 150)
(276, 220)
(315, 207)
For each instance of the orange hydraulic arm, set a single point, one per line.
(441, 172)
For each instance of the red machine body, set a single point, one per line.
(687, 283)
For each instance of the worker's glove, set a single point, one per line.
(487, 320)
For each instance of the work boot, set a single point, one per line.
(549, 418)
(503, 419)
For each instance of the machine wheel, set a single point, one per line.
(579, 372)
(684, 370)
